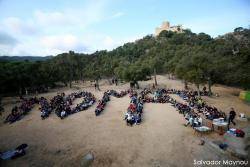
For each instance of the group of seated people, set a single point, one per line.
(212, 113)
(106, 97)
(116, 94)
(204, 92)
(159, 96)
(102, 103)
(45, 108)
(64, 109)
(135, 110)
(194, 102)
(62, 104)
(18, 112)
(182, 108)
(193, 119)
(191, 97)
(88, 100)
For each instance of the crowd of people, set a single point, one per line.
(195, 108)
(88, 100)
(192, 109)
(160, 96)
(117, 94)
(195, 102)
(102, 103)
(106, 97)
(45, 108)
(61, 104)
(135, 109)
(18, 112)
(193, 119)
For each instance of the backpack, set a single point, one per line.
(239, 133)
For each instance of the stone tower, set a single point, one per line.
(166, 26)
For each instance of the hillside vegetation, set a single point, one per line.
(24, 58)
(195, 58)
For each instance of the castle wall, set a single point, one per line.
(166, 26)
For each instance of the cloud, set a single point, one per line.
(16, 25)
(117, 15)
(52, 32)
(67, 18)
(51, 18)
(100, 41)
(63, 43)
(6, 39)
(91, 12)
(7, 43)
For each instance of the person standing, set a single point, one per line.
(95, 86)
(232, 115)
(116, 81)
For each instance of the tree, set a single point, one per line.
(190, 69)
(133, 73)
(166, 34)
(195, 58)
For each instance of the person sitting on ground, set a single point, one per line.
(132, 107)
(12, 154)
(187, 116)
(139, 107)
(127, 114)
(44, 113)
(190, 121)
(133, 99)
(63, 114)
(156, 95)
(130, 119)
(14, 115)
(199, 121)
(105, 97)
(138, 118)
(99, 108)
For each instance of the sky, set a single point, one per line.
(50, 27)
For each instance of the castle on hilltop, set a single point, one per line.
(166, 26)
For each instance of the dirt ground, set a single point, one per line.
(161, 139)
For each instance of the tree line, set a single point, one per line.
(194, 58)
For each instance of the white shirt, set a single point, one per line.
(129, 117)
(63, 113)
(190, 120)
(200, 120)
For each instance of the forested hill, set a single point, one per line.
(24, 58)
(194, 58)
